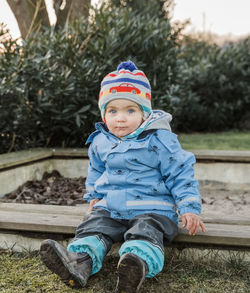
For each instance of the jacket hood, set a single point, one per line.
(159, 120)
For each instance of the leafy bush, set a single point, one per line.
(53, 79)
(212, 91)
(51, 101)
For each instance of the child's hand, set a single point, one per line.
(91, 203)
(192, 222)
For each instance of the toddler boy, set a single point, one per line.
(138, 178)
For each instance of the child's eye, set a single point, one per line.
(112, 111)
(130, 111)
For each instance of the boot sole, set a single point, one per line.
(130, 276)
(53, 260)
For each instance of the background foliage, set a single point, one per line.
(49, 84)
(213, 89)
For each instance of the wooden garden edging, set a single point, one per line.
(62, 220)
(29, 156)
(44, 221)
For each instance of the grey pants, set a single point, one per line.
(157, 229)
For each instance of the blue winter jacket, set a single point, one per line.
(146, 174)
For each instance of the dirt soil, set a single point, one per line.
(55, 189)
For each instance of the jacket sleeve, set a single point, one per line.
(178, 173)
(95, 170)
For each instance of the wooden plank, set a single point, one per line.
(229, 220)
(23, 157)
(218, 234)
(221, 155)
(78, 210)
(51, 223)
(81, 210)
(222, 234)
(213, 155)
(59, 152)
(28, 156)
(218, 155)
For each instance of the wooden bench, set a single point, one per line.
(47, 221)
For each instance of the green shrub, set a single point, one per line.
(47, 99)
(11, 95)
(55, 76)
(212, 91)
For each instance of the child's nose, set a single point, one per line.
(121, 117)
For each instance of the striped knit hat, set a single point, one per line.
(129, 83)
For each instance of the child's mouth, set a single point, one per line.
(121, 127)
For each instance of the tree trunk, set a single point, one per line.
(30, 15)
(69, 10)
(62, 13)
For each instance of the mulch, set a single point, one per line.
(52, 189)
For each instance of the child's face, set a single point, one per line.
(123, 117)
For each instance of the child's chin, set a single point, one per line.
(121, 133)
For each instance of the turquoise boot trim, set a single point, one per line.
(151, 254)
(94, 247)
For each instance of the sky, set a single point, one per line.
(218, 16)
(223, 17)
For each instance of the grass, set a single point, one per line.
(216, 141)
(187, 271)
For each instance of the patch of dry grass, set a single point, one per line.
(187, 271)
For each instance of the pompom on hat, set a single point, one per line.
(128, 83)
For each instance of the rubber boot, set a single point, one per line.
(73, 268)
(131, 273)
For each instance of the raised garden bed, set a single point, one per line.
(227, 169)
(50, 204)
